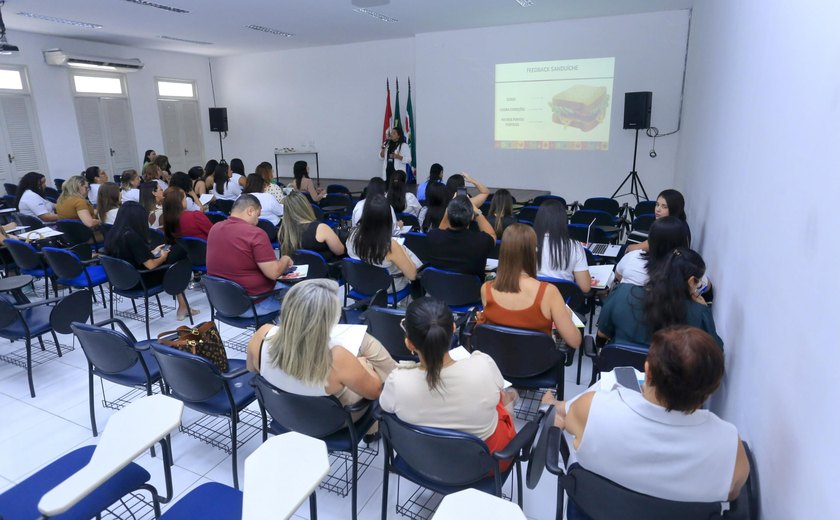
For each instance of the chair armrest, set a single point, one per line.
(236, 373)
(25, 306)
(125, 330)
(552, 455)
(161, 267)
(589, 346)
(359, 406)
(567, 352)
(92, 261)
(523, 440)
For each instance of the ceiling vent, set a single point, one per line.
(77, 61)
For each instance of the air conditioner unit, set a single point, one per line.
(78, 61)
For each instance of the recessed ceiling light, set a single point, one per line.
(198, 42)
(159, 6)
(525, 3)
(378, 16)
(65, 21)
(269, 30)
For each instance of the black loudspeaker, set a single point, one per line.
(637, 109)
(218, 120)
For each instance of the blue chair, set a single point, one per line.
(384, 324)
(584, 233)
(642, 222)
(202, 387)
(72, 271)
(33, 320)
(318, 266)
(52, 194)
(539, 200)
(339, 188)
(364, 280)
(28, 220)
(409, 219)
(601, 219)
(270, 230)
(210, 500)
(614, 355)
(228, 300)
(216, 216)
(75, 233)
(604, 204)
(117, 357)
(461, 292)
(11, 189)
(58, 183)
(83, 483)
(645, 207)
(322, 417)
(340, 206)
(418, 243)
(30, 261)
(196, 249)
(577, 301)
(527, 214)
(447, 461)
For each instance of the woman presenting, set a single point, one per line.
(395, 154)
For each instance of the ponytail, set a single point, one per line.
(428, 325)
(667, 290)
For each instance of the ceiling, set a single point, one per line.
(222, 23)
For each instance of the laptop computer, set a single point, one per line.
(611, 250)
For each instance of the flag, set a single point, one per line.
(387, 123)
(409, 127)
(397, 122)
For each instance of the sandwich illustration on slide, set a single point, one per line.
(580, 106)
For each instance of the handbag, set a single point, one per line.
(202, 340)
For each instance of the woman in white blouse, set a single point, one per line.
(226, 186)
(402, 200)
(30, 198)
(271, 209)
(395, 153)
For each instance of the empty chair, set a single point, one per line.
(645, 207)
(384, 324)
(642, 222)
(337, 206)
(32, 320)
(364, 280)
(58, 183)
(605, 204)
(339, 188)
(51, 194)
(30, 261)
(73, 272)
(11, 189)
(614, 355)
(75, 232)
(228, 301)
(527, 214)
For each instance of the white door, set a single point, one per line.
(20, 147)
(181, 127)
(107, 133)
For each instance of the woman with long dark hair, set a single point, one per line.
(665, 235)
(395, 154)
(95, 177)
(669, 203)
(178, 221)
(149, 157)
(30, 198)
(237, 169)
(632, 314)
(375, 186)
(439, 392)
(402, 200)
(500, 215)
(459, 182)
(436, 200)
(151, 199)
(558, 255)
(302, 182)
(182, 181)
(435, 175)
(265, 171)
(271, 209)
(129, 240)
(199, 187)
(225, 187)
(371, 242)
(209, 171)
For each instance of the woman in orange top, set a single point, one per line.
(517, 299)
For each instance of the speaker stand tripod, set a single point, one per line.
(221, 146)
(633, 177)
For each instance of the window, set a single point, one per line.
(11, 79)
(175, 89)
(98, 84)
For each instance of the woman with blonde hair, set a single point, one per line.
(301, 230)
(517, 299)
(73, 203)
(299, 356)
(130, 185)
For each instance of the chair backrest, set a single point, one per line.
(365, 278)
(455, 289)
(538, 201)
(310, 415)
(177, 277)
(109, 351)
(64, 263)
(586, 216)
(25, 255)
(269, 228)
(58, 183)
(643, 222)
(191, 378)
(121, 274)
(8, 201)
(440, 456)
(645, 207)
(409, 220)
(11, 189)
(570, 291)
(518, 353)
(196, 249)
(337, 199)
(52, 194)
(76, 306)
(222, 205)
(215, 216)
(606, 204)
(418, 243)
(495, 253)
(28, 220)
(384, 324)
(319, 213)
(75, 232)
(227, 297)
(528, 213)
(8, 313)
(621, 355)
(317, 264)
(603, 499)
(339, 188)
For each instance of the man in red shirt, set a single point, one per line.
(239, 251)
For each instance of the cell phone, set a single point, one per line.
(289, 271)
(462, 191)
(626, 377)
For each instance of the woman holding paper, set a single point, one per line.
(301, 356)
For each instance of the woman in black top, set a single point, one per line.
(300, 230)
(129, 240)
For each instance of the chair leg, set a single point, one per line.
(57, 344)
(160, 307)
(55, 286)
(385, 472)
(148, 333)
(90, 399)
(313, 507)
(102, 292)
(233, 428)
(41, 342)
(134, 304)
(580, 364)
(519, 484)
(29, 366)
(189, 310)
(354, 492)
(560, 492)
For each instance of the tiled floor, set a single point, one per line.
(36, 431)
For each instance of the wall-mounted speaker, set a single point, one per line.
(637, 107)
(218, 120)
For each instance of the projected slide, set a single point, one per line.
(554, 105)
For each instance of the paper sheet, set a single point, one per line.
(348, 336)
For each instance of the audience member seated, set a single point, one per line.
(304, 184)
(73, 203)
(108, 203)
(209, 173)
(500, 215)
(300, 230)
(299, 356)
(152, 173)
(183, 182)
(265, 171)
(130, 186)
(239, 251)
(95, 177)
(402, 200)
(634, 313)
(179, 222)
(197, 179)
(439, 392)
(517, 299)
(665, 235)
(659, 441)
(431, 215)
(149, 157)
(151, 198)
(669, 203)
(225, 185)
(371, 242)
(459, 181)
(455, 247)
(30, 198)
(435, 176)
(129, 240)
(162, 162)
(237, 169)
(271, 209)
(375, 186)
(558, 255)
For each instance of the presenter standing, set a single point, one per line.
(395, 154)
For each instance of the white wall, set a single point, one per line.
(455, 100)
(52, 94)
(330, 97)
(758, 163)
